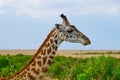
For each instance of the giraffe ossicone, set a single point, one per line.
(36, 68)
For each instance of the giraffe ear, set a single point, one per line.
(59, 27)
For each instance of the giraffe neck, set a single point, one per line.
(40, 62)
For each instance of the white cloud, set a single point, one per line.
(4, 4)
(40, 8)
(1, 3)
(102, 9)
(30, 12)
(38, 13)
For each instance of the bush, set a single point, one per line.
(62, 68)
(9, 64)
(117, 73)
(3, 62)
(101, 68)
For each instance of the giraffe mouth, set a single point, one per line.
(87, 42)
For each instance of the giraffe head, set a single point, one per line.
(68, 32)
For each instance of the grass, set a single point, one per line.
(62, 68)
(9, 64)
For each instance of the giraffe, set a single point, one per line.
(36, 68)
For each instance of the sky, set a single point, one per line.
(24, 24)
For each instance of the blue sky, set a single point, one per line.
(24, 24)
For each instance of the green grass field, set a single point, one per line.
(62, 68)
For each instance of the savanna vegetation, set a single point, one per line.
(67, 68)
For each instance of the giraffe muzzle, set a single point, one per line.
(87, 42)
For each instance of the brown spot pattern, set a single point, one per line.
(24, 73)
(38, 57)
(35, 71)
(49, 61)
(31, 77)
(51, 41)
(55, 36)
(53, 46)
(44, 59)
(49, 50)
(56, 42)
(56, 47)
(39, 63)
(33, 63)
(43, 51)
(48, 44)
(28, 68)
(51, 56)
(44, 69)
(53, 53)
(41, 77)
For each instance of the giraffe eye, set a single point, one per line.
(70, 31)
